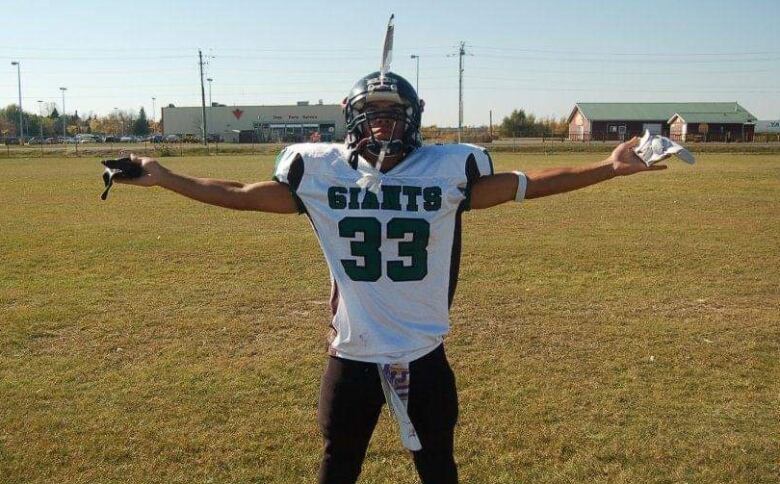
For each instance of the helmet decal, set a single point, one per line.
(388, 87)
(387, 49)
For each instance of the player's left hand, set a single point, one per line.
(626, 162)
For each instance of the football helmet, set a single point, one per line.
(389, 87)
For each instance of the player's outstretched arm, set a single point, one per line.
(268, 196)
(502, 187)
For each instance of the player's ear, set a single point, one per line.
(344, 103)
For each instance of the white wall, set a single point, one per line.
(224, 119)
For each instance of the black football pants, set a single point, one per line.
(351, 399)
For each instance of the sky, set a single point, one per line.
(539, 56)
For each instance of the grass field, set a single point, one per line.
(507, 145)
(628, 332)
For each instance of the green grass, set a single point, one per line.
(628, 332)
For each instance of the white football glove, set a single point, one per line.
(654, 148)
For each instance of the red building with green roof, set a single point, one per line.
(680, 121)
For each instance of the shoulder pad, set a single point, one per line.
(316, 150)
(310, 154)
(283, 164)
(457, 156)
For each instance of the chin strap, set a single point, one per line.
(353, 156)
(381, 157)
(383, 151)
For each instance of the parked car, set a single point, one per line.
(128, 139)
(171, 138)
(111, 139)
(87, 138)
(156, 138)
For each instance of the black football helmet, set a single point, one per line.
(388, 87)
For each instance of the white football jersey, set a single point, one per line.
(391, 241)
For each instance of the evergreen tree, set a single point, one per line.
(141, 125)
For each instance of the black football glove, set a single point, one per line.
(119, 168)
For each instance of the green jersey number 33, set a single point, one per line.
(415, 249)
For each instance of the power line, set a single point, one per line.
(221, 49)
(597, 59)
(101, 58)
(631, 54)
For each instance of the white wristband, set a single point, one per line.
(522, 183)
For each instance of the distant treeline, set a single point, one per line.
(517, 125)
(49, 123)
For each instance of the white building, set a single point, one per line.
(245, 124)
(767, 126)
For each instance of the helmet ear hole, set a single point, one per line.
(422, 105)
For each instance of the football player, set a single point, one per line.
(387, 212)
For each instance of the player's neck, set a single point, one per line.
(388, 163)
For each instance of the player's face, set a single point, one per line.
(386, 128)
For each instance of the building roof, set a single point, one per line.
(655, 111)
(732, 117)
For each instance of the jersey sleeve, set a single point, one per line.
(483, 159)
(283, 166)
(289, 170)
(478, 164)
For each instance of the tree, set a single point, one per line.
(48, 126)
(140, 126)
(521, 124)
(7, 127)
(54, 114)
(105, 125)
(11, 115)
(515, 124)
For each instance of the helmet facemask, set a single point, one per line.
(406, 108)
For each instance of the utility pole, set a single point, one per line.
(202, 99)
(40, 124)
(461, 53)
(21, 113)
(209, 81)
(491, 125)
(154, 112)
(62, 116)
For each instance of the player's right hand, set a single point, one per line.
(153, 172)
(625, 161)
